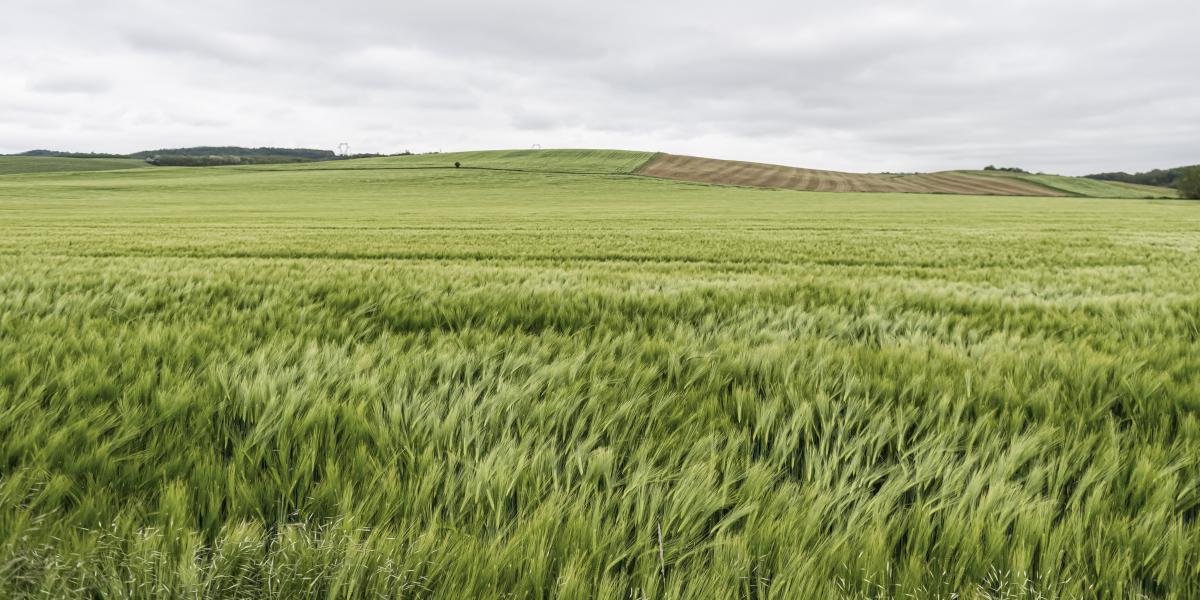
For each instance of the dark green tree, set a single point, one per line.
(1189, 183)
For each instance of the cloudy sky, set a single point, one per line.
(1055, 85)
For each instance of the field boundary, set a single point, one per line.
(649, 159)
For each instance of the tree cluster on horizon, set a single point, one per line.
(1158, 177)
(1189, 183)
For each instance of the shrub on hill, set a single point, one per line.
(1008, 169)
(1189, 183)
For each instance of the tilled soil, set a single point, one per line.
(748, 174)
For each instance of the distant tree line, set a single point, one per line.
(216, 160)
(1159, 177)
(1189, 183)
(213, 156)
(208, 151)
(1008, 169)
(57, 154)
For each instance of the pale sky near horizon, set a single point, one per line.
(1061, 86)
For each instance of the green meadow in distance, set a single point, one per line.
(10, 165)
(391, 378)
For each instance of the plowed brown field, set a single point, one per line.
(732, 172)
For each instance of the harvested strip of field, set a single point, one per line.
(748, 174)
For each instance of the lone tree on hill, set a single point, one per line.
(1189, 183)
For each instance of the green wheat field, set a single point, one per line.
(548, 378)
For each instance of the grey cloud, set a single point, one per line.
(536, 121)
(1066, 85)
(227, 47)
(71, 85)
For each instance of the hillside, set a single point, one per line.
(578, 161)
(749, 174)
(203, 151)
(619, 162)
(10, 165)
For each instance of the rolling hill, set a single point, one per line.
(570, 161)
(750, 174)
(671, 167)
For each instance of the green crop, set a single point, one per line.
(313, 381)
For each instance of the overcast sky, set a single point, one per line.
(1055, 85)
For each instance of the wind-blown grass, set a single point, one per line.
(479, 384)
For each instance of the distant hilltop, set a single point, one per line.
(991, 180)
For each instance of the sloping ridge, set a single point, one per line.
(749, 174)
(24, 165)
